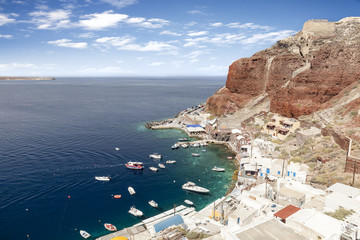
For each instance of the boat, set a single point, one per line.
(161, 165)
(131, 190)
(155, 156)
(190, 186)
(153, 204)
(204, 150)
(195, 154)
(135, 212)
(154, 169)
(134, 165)
(110, 227)
(103, 178)
(205, 144)
(184, 145)
(117, 196)
(218, 169)
(117, 149)
(229, 158)
(84, 234)
(183, 139)
(170, 161)
(196, 145)
(189, 202)
(175, 146)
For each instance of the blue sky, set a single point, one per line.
(147, 37)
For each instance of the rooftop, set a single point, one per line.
(286, 212)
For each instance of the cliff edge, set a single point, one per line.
(298, 75)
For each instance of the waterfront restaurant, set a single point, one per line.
(195, 129)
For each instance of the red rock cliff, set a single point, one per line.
(299, 74)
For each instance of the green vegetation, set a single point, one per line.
(196, 235)
(353, 113)
(340, 214)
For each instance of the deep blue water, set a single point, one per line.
(57, 135)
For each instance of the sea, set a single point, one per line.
(56, 136)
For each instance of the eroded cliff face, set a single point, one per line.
(299, 74)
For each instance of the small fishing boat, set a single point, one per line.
(205, 144)
(134, 165)
(103, 178)
(117, 196)
(155, 156)
(161, 165)
(229, 158)
(170, 161)
(84, 234)
(135, 212)
(154, 169)
(153, 204)
(190, 186)
(183, 139)
(110, 227)
(175, 146)
(196, 145)
(195, 154)
(117, 149)
(131, 190)
(204, 150)
(189, 202)
(184, 145)
(218, 169)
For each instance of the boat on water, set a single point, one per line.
(84, 234)
(205, 144)
(110, 227)
(189, 202)
(229, 158)
(154, 169)
(135, 212)
(103, 178)
(204, 150)
(218, 169)
(117, 196)
(170, 161)
(117, 149)
(131, 190)
(195, 154)
(155, 156)
(183, 139)
(196, 145)
(161, 165)
(153, 203)
(175, 146)
(134, 165)
(184, 145)
(190, 186)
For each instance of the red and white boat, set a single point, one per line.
(135, 165)
(110, 227)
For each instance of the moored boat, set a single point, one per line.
(103, 178)
(229, 158)
(135, 212)
(195, 154)
(161, 165)
(170, 161)
(84, 234)
(175, 146)
(189, 202)
(184, 145)
(190, 186)
(110, 227)
(117, 196)
(204, 150)
(196, 145)
(155, 156)
(134, 165)
(117, 149)
(218, 169)
(131, 190)
(154, 169)
(153, 203)
(183, 139)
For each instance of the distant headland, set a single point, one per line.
(26, 78)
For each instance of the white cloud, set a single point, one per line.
(102, 70)
(196, 12)
(68, 43)
(268, 37)
(217, 24)
(191, 42)
(215, 69)
(15, 65)
(120, 3)
(87, 35)
(150, 23)
(6, 36)
(99, 21)
(51, 19)
(170, 33)
(128, 43)
(155, 64)
(196, 34)
(4, 19)
(251, 26)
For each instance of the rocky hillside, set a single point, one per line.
(298, 75)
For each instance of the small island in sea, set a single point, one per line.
(26, 78)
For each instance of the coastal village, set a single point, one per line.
(271, 196)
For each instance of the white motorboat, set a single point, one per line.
(155, 156)
(175, 146)
(205, 144)
(196, 145)
(84, 234)
(184, 145)
(135, 212)
(190, 186)
(161, 165)
(117, 149)
(154, 169)
(153, 204)
(131, 190)
(103, 178)
(110, 227)
(218, 169)
(195, 154)
(204, 150)
(189, 202)
(183, 139)
(170, 161)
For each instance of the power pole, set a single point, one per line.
(354, 171)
